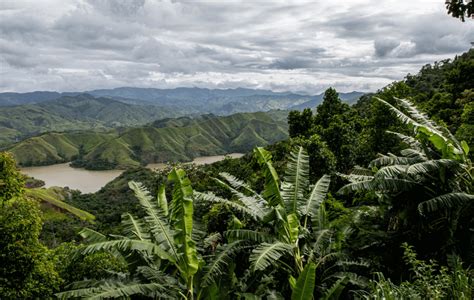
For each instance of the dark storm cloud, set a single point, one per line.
(283, 45)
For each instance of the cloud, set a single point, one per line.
(299, 45)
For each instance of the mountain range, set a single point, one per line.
(24, 115)
(80, 112)
(189, 100)
(181, 140)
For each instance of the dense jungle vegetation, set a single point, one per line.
(369, 201)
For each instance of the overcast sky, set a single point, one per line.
(300, 46)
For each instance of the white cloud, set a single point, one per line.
(282, 45)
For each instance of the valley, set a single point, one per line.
(241, 150)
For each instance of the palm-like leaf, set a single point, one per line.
(249, 235)
(162, 233)
(296, 180)
(255, 203)
(431, 166)
(127, 245)
(336, 289)
(134, 228)
(445, 201)
(92, 236)
(182, 216)
(210, 197)
(121, 290)
(162, 201)
(272, 182)
(217, 267)
(311, 206)
(266, 254)
(305, 283)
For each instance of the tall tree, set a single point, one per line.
(26, 269)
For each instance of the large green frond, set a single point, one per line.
(266, 254)
(217, 267)
(238, 184)
(271, 190)
(120, 290)
(430, 166)
(445, 201)
(296, 180)
(336, 289)
(162, 201)
(182, 216)
(305, 283)
(127, 245)
(388, 160)
(249, 235)
(311, 206)
(134, 228)
(393, 171)
(403, 117)
(210, 197)
(255, 203)
(92, 236)
(161, 230)
(409, 140)
(386, 185)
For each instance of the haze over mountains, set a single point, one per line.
(202, 100)
(24, 115)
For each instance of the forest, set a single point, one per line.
(373, 200)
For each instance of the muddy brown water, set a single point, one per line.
(88, 181)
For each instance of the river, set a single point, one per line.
(91, 181)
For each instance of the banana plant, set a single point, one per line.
(162, 254)
(428, 186)
(294, 221)
(432, 152)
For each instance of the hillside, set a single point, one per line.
(56, 147)
(81, 112)
(182, 141)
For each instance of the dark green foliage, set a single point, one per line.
(73, 266)
(329, 108)
(460, 8)
(11, 181)
(321, 159)
(428, 280)
(27, 269)
(336, 123)
(300, 123)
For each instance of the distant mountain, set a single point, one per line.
(349, 98)
(28, 114)
(7, 99)
(180, 141)
(190, 100)
(73, 113)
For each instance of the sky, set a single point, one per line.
(298, 46)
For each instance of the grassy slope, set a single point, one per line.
(81, 112)
(239, 132)
(207, 136)
(54, 147)
(55, 197)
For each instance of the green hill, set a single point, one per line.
(81, 112)
(181, 141)
(54, 147)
